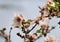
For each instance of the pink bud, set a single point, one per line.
(17, 20)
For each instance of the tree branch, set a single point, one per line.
(39, 36)
(10, 34)
(51, 29)
(6, 37)
(20, 35)
(23, 29)
(32, 28)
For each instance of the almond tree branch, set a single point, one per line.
(23, 29)
(51, 29)
(4, 35)
(10, 34)
(32, 28)
(39, 36)
(20, 35)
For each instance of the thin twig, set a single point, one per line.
(20, 35)
(23, 29)
(4, 35)
(10, 34)
(32, 28)
(39, 36)
(51, 29)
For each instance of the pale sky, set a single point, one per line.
(29, 8)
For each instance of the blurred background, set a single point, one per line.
(29, 8)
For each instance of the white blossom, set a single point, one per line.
(51, 39)
(44, 21)
(51, 3)
(17, 21)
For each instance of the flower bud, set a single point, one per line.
(17, 21)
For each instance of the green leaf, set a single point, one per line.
(39, 31)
